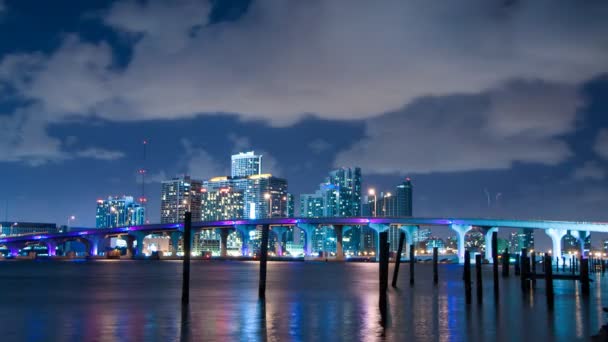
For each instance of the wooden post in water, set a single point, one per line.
(563, 264)
(383, 264)
(584, 276)
(263, 261)
(398, 258)
(435, 260)
(533, 271)
(467, 276)
(517, 266)
(495, 261)
(524, 269)
(505, 263)
(549, 281)
(479, 282)
(186, 261)
(412, 263)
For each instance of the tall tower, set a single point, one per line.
(142, 172)
(404, 206)
(246, 164)
(178, 196)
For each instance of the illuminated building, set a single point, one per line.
(221, 204)
(246, 164)
(396, 204)
(178, 196)
(18, 228)
(118, 212)
(338, 196)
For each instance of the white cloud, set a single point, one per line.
(339, 59)
(198, 163)
(468, 132)
(100, 153)
(591, 170)
(319, 146)
(601, 144)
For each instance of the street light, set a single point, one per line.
(388, 194)
(70, 218)
(269, 198)
(372, 192)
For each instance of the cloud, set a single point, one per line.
(601, 144)
(470, 132)
(319, 146)
(339, 59)
(591, 170)
(199, 163)
(99, 153)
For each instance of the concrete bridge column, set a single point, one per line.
(93, 245)
(338, 230)
(279, 231)
(139, 238)
(245, 230)
(223, 233)
(556, 236)
(51, 246)
(409, 238)
(308, 230)
(13, 249)
(175, 236)
(129, 239)
(378, 228)
(487, 232)
(461, 230)
(581, 236)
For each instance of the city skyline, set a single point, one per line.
(499, 144)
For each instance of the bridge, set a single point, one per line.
(91, 238)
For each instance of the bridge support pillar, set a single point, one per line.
(139, 238)
(13, 250)
(581, 236)
(223, 232)
(379, 228)
(461, 230)
(309, 231)
(175, 236)
(487, 232)
(556, 236)
(51, 246)
(279, 232)
(93, 245)
(409, 238)
(245, 230)
(338, 230)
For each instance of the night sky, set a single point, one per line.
(493, 108)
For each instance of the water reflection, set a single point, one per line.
(137, 301)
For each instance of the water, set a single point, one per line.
(118, 300)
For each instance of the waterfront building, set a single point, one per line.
(433, 242)
(391, 204)
(179, 195)
(118, 212)
(221, 204)
(246, 164)
(338, 196)
(11, 228)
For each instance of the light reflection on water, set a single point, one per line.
(140, 301)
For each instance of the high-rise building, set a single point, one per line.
(246, 164)
(263, 195)
(178, 196)
(118, 212)
(523, 238)
(397, 204)
(222, 204)
(338, 196)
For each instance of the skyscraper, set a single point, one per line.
(222, 204)
(338, 196)
(118, 212)
(246, 164)
(178, 196)
(397, 204)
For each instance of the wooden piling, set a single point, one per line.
(263, 261)
(517, 266)
(383, 264)
(533, 270)
(505, 263)
(412, 263)
(398, 258)
(495, 261)
(563, 264)
(549, 280)
(584, 276)
(524, 269)
(186, 261)
(479, 280)
(467, 276)
(435, 270)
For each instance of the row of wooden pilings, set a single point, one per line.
(525, 266)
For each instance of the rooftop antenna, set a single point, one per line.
(142, 173)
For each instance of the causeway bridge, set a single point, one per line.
(91, 238)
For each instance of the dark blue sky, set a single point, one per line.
(505, 102)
